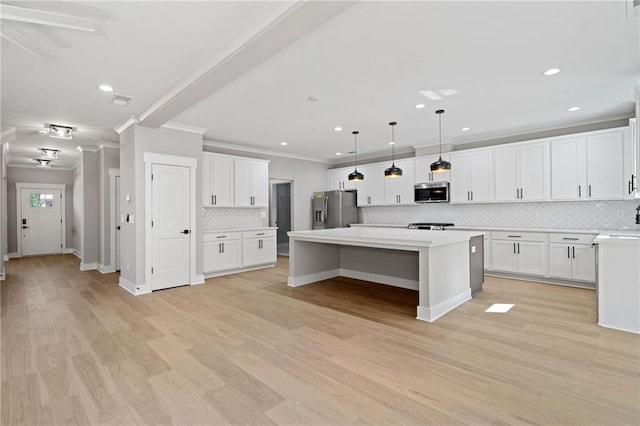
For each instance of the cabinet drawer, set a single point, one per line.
(572, 238)
(519, 236)
(259, 234)
(221, 236)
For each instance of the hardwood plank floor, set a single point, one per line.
(247, 349)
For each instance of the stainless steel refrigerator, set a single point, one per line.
(334, 209)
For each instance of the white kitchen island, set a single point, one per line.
(436, 263)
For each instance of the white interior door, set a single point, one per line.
(117, 230)
(41, 222)
(170, 191)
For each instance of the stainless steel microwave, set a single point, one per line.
(435, 192)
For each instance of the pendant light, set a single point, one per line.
(393, 171)
(355, 176)
(440, 165)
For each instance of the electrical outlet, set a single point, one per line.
(473, 249)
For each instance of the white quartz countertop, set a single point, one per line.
(619, 237)
(506, 229)
(405, 238)
(257, 228)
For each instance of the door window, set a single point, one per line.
(41, 200)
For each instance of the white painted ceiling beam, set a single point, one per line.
(22, 42)
(295, 23)
(14, 13)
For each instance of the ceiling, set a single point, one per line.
(365, 64)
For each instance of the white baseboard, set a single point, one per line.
(106, 269)
(5, 257)
(13, 255)
(199, 279)
(312, 278)
(131, 287)
(88, 266)
(68, 250)
(208, 275)
(76, 253)
(433, 313)
(380, 279)
(619, 328)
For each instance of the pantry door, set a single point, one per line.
(40, 221)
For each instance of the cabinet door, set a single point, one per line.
(371, 189)
(231, 254)
(534, 171)
(221, 182)
(334, 179)
(399, 190)
(504, 256)
(481, 176)
(506, 173)
(207, 179)
(605, 166)
(211, 256)
(268, 250)
(260, 184)
(567, 168)
(560, 261)
(532, 258)
(242, 186)
(459, 178)
(258, 251)
(423, 169)
(584, 263)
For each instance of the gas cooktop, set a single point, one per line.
(433, 226)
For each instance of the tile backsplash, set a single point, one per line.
(570, 215)
(227, 218)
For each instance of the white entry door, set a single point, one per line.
(41, 221)
(117, 230)
(171, 232)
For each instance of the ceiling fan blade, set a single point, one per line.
(14, 13)
(21, 41)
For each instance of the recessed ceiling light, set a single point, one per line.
(43, 163)
(60, 132)
(283, 143)
(419, 106)
(392, 143)
(338, 153)
(49, 152)
(337, 129)
(551, 71)
(105, 88)
(465, 129)
(574, 109)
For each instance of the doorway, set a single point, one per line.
(115, 219)
(40, 218)
(280, 213)
(171, 212)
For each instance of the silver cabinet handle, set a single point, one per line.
(518, 248)
(514, 248)
(568, 252)
(215, 199)
(260, 233)
(570, 239)
(589, 190)
(221, 236)
(514, 236)
(579, 190)
(472, 195)
(212, 202)
(574, 252)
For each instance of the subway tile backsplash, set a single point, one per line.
(228, 218)
(562, 215)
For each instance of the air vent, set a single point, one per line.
(122, 100)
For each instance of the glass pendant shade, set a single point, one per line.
(393, 171)
(355, 176)
(441, 165)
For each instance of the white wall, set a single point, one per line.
(134, 142)
(77, 223)
(3, 209)
(36, 175)
(108, 158)
(90, 202)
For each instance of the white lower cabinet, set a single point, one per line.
(258, 247)
(572, 257)
(520, 252)
(488, 255)
(222, 251)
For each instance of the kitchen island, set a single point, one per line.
(435, 263)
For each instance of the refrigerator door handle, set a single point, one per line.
(325, 210)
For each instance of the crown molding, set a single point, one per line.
(126, 123)
(184, 128)
(239, 148)
(103, 145)
(87, 148)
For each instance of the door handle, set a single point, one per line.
(514, 248)
(186, 231)
(518, 248)
(574, 252)
(25, 227)
(118, 227)
(568, 252)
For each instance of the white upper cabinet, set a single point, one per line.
(217, 180)
(588, 166)
(472, 176)
(251, 183)
(423, 169)
(522, 172)
(399, 190)
(339, 179)
(632, 161)
(371, 189)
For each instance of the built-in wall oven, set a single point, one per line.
(434, 192)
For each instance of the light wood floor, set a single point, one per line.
(246, 349)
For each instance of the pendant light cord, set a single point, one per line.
(440, 112)
(393, 146)
(355, 150)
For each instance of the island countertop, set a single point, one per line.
(401, 238)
